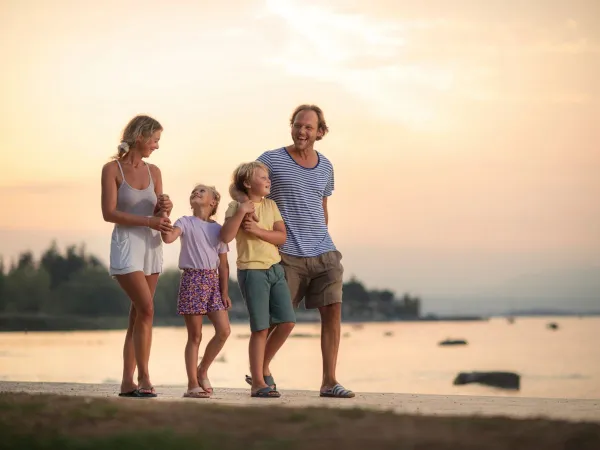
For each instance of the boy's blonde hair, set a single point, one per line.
(243, 174)
(215, 194)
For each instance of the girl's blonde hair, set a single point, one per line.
(215, 194)
(243, 174)
(143, 126)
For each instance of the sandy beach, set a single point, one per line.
(573, 410)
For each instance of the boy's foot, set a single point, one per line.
(269, 380)
(265, 392)
(127, 389)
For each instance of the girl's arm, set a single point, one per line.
(275, 237)
(109, 205)
(171, 236)
(224, 279)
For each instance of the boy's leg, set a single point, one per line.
(220, 320)
(194, 329)
(281, 312)
(255, 289)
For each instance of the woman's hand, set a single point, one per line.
(164, 204)
(162, 224)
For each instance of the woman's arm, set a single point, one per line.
(109, 205)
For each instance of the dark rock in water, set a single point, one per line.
(504, 380)
(552, 326)
(453, 342)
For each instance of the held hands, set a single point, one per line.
(162, 224)
(248, 208)
(249, 225)
(164, 205)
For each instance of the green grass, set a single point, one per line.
(61, 422)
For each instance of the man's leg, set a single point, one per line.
(331, 325)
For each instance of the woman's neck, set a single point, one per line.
(133, 158)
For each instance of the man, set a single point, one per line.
(301, 182)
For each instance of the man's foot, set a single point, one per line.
(337, 391)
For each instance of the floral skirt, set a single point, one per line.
(199, 292)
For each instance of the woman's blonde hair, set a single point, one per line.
(243, 174)
(143, 126)
(215, 194)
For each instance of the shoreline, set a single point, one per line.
(571, 410)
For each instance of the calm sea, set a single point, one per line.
(374, 357)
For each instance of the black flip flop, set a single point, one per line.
(133, 393)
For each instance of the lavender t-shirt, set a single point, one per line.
(200, 243)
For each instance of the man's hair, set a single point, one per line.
(322, 125)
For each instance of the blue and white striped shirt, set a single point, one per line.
(298, 192)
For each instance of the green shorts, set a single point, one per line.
(267, 297)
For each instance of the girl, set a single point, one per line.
(260, 276)
(132, 199)
(204, 284)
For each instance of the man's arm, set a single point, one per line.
(325, 210)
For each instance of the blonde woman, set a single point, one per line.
(132, 199)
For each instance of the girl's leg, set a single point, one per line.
(194, 329)
(127, 383)
(135, 286)
(258, 341)
(220, 320)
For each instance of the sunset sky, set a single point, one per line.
(465, 135)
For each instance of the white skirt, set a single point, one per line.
(135, 249)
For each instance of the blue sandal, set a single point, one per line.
(266, 392)
(268, 379)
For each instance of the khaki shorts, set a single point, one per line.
(318, 280)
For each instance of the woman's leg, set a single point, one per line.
(193, 324)
(127, 383)
(136, 287)
(220, 320)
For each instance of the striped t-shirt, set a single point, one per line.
(298, 192)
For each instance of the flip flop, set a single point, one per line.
(266, 392)
(146, 392)
(337, 391)
(205, 384)
(196, 393)
(268, 379)
(133, 393)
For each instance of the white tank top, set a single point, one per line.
(136, 201)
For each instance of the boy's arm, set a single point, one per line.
(224, 279)
(232, 224)
(275, 237)
(171, 236)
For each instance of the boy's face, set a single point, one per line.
(260, 184)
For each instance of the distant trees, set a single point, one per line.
(74, 283)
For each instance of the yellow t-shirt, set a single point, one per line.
(254, 253)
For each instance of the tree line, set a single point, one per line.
(73, 285)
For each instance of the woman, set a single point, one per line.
(132, 199)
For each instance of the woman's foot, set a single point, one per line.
(128, 387)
